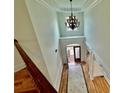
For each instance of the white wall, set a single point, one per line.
(97, 32)
(18, 61)
(62, 28)
(46, 28)
(72, 40)
(24, 33)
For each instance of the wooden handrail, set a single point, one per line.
(42, 83)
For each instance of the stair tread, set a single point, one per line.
(23, 81)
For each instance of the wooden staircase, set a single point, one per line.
(42, 83)
(24, 83)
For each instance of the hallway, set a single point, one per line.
(76, 82)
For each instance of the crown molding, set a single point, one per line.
(92, 5)
(57, 9)
(45, 4)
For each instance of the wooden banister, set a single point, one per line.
(42, 83)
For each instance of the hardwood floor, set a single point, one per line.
(98, 85)
(24, 83)
(64, 80)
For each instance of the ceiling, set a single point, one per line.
(64, 5)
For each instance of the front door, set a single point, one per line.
(77, 53)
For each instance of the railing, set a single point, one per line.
(42, 83)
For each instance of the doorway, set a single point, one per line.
(70, 54)
(77, 53)
(73, 53)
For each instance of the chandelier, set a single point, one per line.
(71, 21)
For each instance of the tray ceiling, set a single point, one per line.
(64, 5)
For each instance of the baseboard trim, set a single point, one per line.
(19, 67)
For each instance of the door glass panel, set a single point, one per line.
(77, 52)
